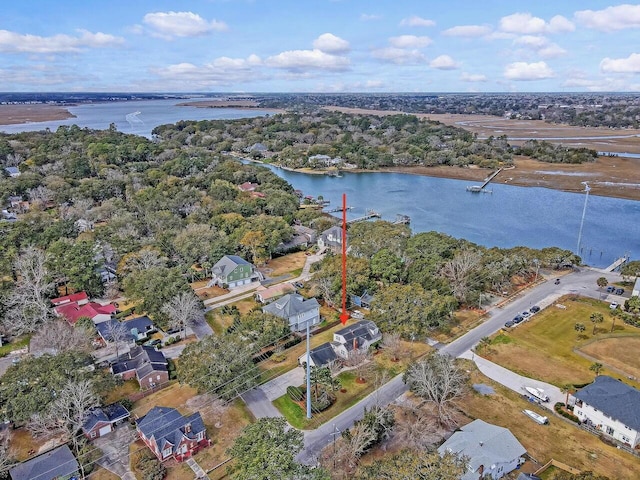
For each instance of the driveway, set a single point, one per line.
(258, 403)
(278, 386)
(115, 447)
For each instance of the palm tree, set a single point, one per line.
(602, 282)
(596, 318)
(579, 327)
(566, 388)
(615, 313)
(596, 367)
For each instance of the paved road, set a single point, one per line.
(582, 282)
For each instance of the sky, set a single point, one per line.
(319, 46)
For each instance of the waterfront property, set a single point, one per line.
(331, 239)
(232, 271)
(610, 406)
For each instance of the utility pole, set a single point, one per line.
(334, 434)
(587, 189)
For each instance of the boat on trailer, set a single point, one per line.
(541, 419)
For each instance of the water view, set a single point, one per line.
(138, 117)
(510, 216)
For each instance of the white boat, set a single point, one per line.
(537, 393)
(542, 420)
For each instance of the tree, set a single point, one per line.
(459, 271)
(413, 464)
(356, 441)
(255, 242)
(386, 266)
(28, 305)
(615, 313)
(579, 327)
(596, 318)
(438, 380)
(218, 364)
(391, 343)
(75, 263)
(184, 309)
(360, 361)
(321, 377)
(117, 333)
(566, 388)
(416, 429)
(602, 282)
(596, 367)
(58, 337)
(266, 450)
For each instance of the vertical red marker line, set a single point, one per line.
(344, 316)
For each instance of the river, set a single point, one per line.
(508, 217)
(138, 117)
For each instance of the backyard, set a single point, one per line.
(549, 348)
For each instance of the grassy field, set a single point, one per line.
(15, 345)
(219, 322)
(175, 395)
(546, 346)
(616, 352)
(127, 388)
(100, 473)
(561, 440)
(290, 264)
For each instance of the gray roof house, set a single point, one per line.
(610, 406)
(232, 271)
(490, 450)
(296, 310)
(331, 239)
(102, 420)
(58, 464)
(171, 435)
(360, 335)
(146, 364)
(137, 328)
(319, 356)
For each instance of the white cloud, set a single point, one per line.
(415, 21)
(631, 64)
(525, 23)
(12, 42)
(365, 17)
(308, 59)
(443, 62)
(410, 41)
(523, 71)
(329, 43)
(611, 18)
(181, 24)
(399, 56)
(541, 45)
(220, 71)
(473, 77)
(468, 31)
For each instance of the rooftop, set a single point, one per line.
(614, 398)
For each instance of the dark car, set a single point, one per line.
(518, 319)
(619, 291)
(534, 309)
(557, 282)
(509, 324)
(610, 288)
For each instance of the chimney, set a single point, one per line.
(187, 428)
(355, 343)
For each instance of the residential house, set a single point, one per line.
(232, 271)
(8, 216)
(302, 238)
(248, 187)
(81, 298)
(360, 335)
(170, 435)
(491, 451)
(72, 312)
(103, 420)
(138, 328)
(83, 225)
(331, 239)
(363, 301)
(13, 172)
(296, 310)
(265, 294)
(257, 147)
(636, 288)
(610, 406)
(56, 464)
(146, 364)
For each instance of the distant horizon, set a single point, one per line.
(379, 93)
(319, 46)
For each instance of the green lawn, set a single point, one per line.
(546, 346)
(16, 345)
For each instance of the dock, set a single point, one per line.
(481, 188)
(617, 264)
(370, 214)
(337, 209)
(402, 219)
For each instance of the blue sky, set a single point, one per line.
(319, 46)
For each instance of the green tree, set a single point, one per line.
(632, 305)
(267, 449)
(566, 388)
(602, 282)
(386, 266)
(596, 367)
(410, 465)
(579, 327)
(596, 318)
(76, 262)
(321, 377)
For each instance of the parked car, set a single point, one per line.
(619, 291)
(534, 309)
(613, 305)
(557, 282)
(152, 343)
(610, 288)
(298, 284)
(518, 319)
(525, 314)
(509, 324)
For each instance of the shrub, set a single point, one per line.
(559, 408)
(125, 313)
(295, 393)
(324, 401)
(279, 357)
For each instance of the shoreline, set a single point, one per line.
(240, 105)
(32, 113)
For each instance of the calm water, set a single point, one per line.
(138, 117)
(510, 216)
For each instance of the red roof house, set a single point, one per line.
(248, 186)
(96, 312)
(80, 298)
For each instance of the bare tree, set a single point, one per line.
(112, 290)
(6, 453)
(391, 343)
(458, 270)
(144, 259)
(117, 333)
(183, 309)
(356, 442)
(439, 381)
(66, 414)
(40, 194)
(58, 337)
(334, 367)
(28, 303)
(416, 429)
(360, 361)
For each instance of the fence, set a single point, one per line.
(134, 397)
(557, 464)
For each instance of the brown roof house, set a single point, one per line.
(146, 364)
(170, 435)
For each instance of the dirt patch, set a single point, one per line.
(210, 292)
(620, 353)
(286, 264)
(15, 114)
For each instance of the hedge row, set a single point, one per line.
(559, 408)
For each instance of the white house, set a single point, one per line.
(490, 450)
(612, 407)
(296, 310)
(636, 288)
(331, 239)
